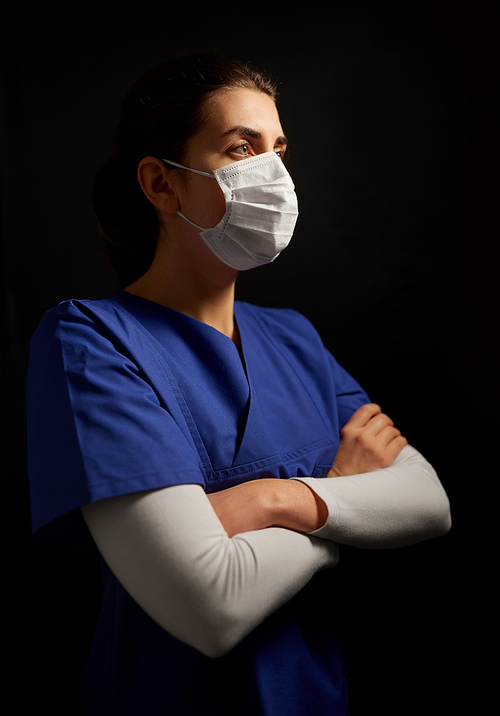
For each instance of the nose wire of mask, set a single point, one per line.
(261, 211)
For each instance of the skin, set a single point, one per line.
(187, 277)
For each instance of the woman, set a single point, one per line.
(178, 415)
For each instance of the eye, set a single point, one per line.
(281, 150)
(243, 150)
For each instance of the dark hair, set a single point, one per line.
(160, 112)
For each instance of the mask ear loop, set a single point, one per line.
(191, 222)
(196, 171)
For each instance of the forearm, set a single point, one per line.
(391, 507)
(269, 502)
(169, 551)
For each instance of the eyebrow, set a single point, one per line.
(239, 129)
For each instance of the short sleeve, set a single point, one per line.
(97, 427)
(350, 395)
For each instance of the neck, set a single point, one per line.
(203, 290)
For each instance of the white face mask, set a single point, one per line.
(261, 211)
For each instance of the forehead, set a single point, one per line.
(242, 107)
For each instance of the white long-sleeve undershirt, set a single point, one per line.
(169, 550)
(391, 507)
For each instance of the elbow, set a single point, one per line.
(430, 521)
(212, 629)
(440, 513)
(210, 648)
(441, 518)
(215, 649)
(219, 636)
(210, 635)
(435, 521)
(433, 516)
(219, 626)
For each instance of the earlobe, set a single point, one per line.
(156, 183)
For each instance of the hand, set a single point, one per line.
(368, 441)
(269, 502)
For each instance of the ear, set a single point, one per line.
(157, 183)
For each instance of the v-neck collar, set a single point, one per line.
(159, 310)
(211, 373)
(242, 422)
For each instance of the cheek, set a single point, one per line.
(206, 204)
(216, 207)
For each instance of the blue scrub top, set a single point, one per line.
(126, 395)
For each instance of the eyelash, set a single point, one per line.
(247, 143)
(243, 144)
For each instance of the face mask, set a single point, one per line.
(261, 211)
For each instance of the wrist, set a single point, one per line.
(334, 471)
(293, 505)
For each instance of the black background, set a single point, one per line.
(392, 111)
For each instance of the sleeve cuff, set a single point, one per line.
(324, 532)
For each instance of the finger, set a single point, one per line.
(363, 415)
(377, 424)
(394, 448)
(386, 435)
